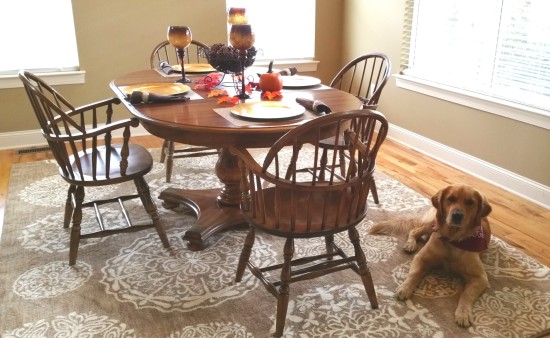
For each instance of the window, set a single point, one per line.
(37, 35)
(284, 29)
(495, 48)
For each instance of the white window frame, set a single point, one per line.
(39, 22)
(519, 112)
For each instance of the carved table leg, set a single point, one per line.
(216, 209)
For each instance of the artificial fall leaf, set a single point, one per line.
(228, 99)
(248, 89)
(218, 92)
(271, 95)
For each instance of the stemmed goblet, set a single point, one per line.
(242, 38)
(180, 37)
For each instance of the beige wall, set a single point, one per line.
(115, 37)
(518, 147)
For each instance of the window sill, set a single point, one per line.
(518, 112)
(56, 78)
(301, 65)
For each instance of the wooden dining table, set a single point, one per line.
(204, 121)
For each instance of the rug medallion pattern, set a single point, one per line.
(128, 285)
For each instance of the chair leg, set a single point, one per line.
(163, 151)
(151, 208)
(374, 191)
(284, 288)
(75, 229)
(245, 253)
(364, 271)
(169, 160)
(69, 206)
(329, 244)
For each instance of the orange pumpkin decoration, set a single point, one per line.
(270, 82)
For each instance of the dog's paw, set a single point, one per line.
(410, 246)
(403, 292)
(463, 318)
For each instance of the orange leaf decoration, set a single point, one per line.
(227, 99)
(271, 95)
(217, 92)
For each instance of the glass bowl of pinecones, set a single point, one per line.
(225, 59)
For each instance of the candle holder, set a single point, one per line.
(242, 38)
(180, 37)
(237, 16)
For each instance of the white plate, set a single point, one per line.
(300, 81)
(158, 88)
(267, 110)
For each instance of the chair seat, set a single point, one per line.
(331, 141)
(335, 217)
(140, 162)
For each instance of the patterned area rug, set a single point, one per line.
(127, 285)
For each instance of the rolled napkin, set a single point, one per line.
(288, 71)
(145, 97)
(314, 105)
(285, 72)
(166, 68)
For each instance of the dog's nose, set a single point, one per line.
(457, 217)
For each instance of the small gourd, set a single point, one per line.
(270, 81)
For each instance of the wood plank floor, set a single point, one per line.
(517, 221)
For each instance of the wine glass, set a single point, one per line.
(180, 37)
(242, 38)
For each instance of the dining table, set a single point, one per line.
(210, 121)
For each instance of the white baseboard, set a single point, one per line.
(34, 138)
(507, 180)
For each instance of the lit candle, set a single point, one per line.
(242, 37)
(237, 16)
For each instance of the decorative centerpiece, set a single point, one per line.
(226, 59)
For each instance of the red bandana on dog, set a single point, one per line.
(475, 243)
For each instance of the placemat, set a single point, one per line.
(226, 114)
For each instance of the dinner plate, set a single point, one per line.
(195, 68)
(300, 81)
(158, 88)
(267, 110)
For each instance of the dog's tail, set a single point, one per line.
(395, 227)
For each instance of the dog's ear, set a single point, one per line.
(437, 202)
(483, 209)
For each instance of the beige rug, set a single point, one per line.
(127, 285)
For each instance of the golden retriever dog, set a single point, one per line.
(458, 232)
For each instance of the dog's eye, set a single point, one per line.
(469, 202)
(452, 199)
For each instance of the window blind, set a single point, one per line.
(499, 48)
(37, 35)
(285, 31)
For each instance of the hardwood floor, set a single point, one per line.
(519, 222)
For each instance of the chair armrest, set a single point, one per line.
(98, 104)
(131, 122)
(245, 156)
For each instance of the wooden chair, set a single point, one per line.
(295, 204)
(86, 157)
(164, 52)
(364, 77)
